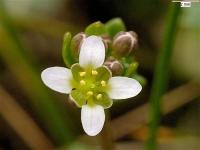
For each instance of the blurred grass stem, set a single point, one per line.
(139, 117)
(161, 74)
(52, 114)
(22, 123)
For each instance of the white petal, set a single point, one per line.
(92, 119)
(92, 52)
(58, 79)
(123, 87)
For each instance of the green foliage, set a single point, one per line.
(161, 75)
(111, 28)
(114, 26)
(96, 28)
(52, 115)
(66, 53)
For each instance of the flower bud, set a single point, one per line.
(124, 43)
(115, 66)
(106, 40)
(76, 43)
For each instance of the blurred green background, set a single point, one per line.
(34, 117)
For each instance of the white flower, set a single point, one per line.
(90, 84)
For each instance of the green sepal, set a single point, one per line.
(126, 61)
(103, 73)
(96, 28)
(78, 97)
(131, 70)
(76, 69)
(105, 101)
(114, 26)
(66, 54)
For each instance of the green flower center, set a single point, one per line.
(90, 86)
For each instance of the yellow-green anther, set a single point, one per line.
(106, 40)
(103, 83)
(99, 96)
(94, 72)
(89, 93)
(82, 82)
(82, 74)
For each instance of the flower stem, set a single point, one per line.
(161, 75)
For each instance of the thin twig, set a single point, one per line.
(180, 143)
(16, 57)
(21, 122)
(171, 101)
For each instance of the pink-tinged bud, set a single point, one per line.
(115, 66)
(106, 40)
(76, 43)
(124, 43)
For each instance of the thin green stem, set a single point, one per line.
(161, 75)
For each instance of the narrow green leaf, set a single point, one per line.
(114, 26)
(96, 28)
(66, 53)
